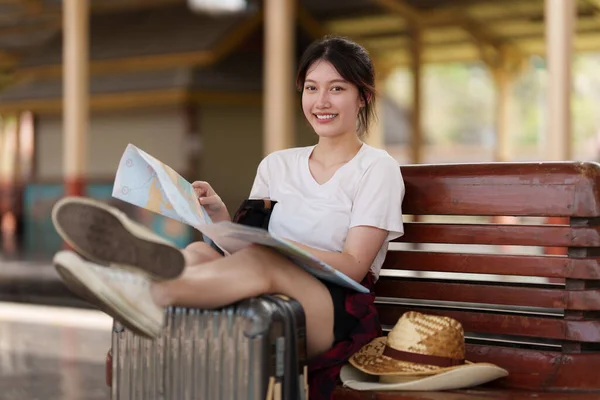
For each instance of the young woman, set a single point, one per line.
(339, 199)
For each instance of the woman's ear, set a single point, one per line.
(365, 99)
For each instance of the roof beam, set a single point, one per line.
(595, 3)
(205, 58)
(7, 58)
(309, 23)
(400, 7)
(450, 14)
(431, 55)
(33, 6)
(467, 52)
(488, 12)
(373, 24)
(494, 51)
(506, 30)
(22, 28)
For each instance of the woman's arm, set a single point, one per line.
(211, 201)
(360, 249)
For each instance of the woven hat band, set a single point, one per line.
(421, 358)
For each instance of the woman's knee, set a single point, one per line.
(199, 252)
(197, 246)
(263, 262)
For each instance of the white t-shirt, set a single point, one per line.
(368, 190)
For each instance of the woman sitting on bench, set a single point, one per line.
(339, 199)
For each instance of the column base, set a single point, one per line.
(74, 187)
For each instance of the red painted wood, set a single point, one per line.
(556, 189)
(342, 393)
(505, 324)
(557, 251)
(75, 186)
(540, 370)
(519, 235)
(498, 264)
(489, 294)
(503, 189)
(529, 370)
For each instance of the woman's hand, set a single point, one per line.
(211, 201)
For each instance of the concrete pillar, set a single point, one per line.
(417, 69)
(560, 21)
(502, 150)
(502, 79)
(279, 74)
(75, 94)
(9, 150)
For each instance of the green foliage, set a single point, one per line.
(460, 102)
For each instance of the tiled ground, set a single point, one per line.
(52, 353)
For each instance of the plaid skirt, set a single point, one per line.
(324, 371)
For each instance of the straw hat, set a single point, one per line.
(422, 352)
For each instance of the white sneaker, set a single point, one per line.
(106, 235)
(122, 294)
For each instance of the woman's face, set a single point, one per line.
(330, 103)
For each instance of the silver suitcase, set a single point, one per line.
(255, 349)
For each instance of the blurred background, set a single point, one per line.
(207, 87)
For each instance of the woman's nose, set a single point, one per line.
(323, 100)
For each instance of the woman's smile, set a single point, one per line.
(325, 118)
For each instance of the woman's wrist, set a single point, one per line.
(222, 215)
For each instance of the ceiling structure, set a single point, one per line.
(498, 32)
(463, 30)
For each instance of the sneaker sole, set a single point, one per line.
(105, 299)
(104, 235)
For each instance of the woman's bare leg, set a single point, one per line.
(249, 273)
(198, 253)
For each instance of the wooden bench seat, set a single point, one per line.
(466, 394)
(534, 314)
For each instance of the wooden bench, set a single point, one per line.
(541, 321)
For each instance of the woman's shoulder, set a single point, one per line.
(286, 155)
(371, 156)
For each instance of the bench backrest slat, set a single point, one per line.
(503, 189)
(517, 235)
(490, 294)
(499, 264)
(505, 324)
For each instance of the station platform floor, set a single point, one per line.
(53, 353)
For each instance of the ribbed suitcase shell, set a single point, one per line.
(255, 349)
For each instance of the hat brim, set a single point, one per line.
(370, 359)
(465, 376)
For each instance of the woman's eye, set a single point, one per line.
(337, 88)
(310, 88)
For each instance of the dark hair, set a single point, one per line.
(353, 63)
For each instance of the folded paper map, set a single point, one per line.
(144, 181)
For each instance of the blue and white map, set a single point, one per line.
(144, 181)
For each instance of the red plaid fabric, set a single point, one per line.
(324, 371)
